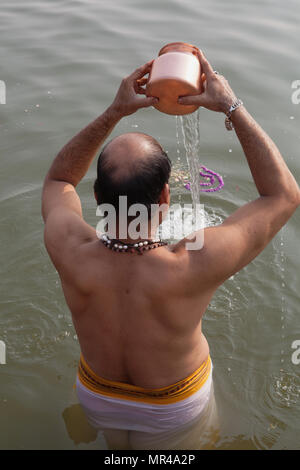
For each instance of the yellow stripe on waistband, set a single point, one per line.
(165, 395)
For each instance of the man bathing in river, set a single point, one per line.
(145, 362)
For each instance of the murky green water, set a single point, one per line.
(62, 62)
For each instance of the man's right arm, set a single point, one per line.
(246, 232)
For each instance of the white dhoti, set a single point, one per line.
(116, 405)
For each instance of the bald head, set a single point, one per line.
(132, 165)
(125, 153)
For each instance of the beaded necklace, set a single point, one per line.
(140, 247)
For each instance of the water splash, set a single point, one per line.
(177, 140)
(279, 259)
(190, 126)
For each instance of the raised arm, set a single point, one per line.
(246, 232)
(74, 159)
(61, 207)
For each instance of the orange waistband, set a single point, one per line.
(170, 394)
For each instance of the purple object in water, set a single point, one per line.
(206, 173)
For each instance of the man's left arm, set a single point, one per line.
(61, 207)
(72, 163)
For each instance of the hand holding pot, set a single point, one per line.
(127, 100)
(217, 94)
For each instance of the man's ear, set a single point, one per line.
(165, 195)
(95, 190)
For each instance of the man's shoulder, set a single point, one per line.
(66, 237)
(64, 228)
(197, 243)
(199, 255)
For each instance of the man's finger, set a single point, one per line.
(141, 71)
(205, 65)
(142, 81)
(203, 82)
(139, 86)
(191, 100)
(140, 91)
(146, 102)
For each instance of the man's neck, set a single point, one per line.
(148, 233)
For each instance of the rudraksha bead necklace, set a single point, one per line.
(139, 247)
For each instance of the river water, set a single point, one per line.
(62, 62)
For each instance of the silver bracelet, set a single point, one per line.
(235, 105)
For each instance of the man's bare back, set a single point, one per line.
(138, 318)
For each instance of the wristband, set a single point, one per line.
(235, 105)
